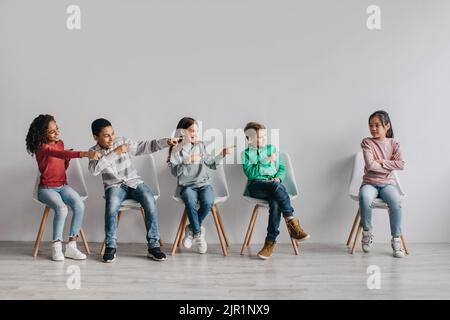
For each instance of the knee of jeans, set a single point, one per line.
(112, 206)
(149, 200)
(80, 206)
(365, 200)
(207, 203)
(61, 210)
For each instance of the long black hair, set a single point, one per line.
(183, 124)
(385, 120)
(37, 133)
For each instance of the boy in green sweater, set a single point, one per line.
(265, 172)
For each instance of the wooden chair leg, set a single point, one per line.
(221, 226)
(179, 233)
(357, 236)
(85, 243)
(293, 241)
(102, 249)
(352, 231)
(244, 245)
(183, 228)
(404, 244)
(41, 231)
(219, 232)
(252, 228)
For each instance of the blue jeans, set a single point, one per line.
(279, 203)
(58, 198)
(197, 196)
(143, 194)
(389, 194)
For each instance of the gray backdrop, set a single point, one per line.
(310, 68)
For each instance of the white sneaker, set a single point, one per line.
(72, 251)
(200, 242)
(57, 254)
(367, 240)
(188, 237)
(397, 248)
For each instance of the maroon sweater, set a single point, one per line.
(53, 161)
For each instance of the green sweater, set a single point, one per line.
(257, 166)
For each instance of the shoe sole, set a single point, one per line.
(150, 256)
(109, 261)
(263, 257)
(73, 258)
(303, 239)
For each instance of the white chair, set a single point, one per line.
(150, 176)
(75, 179)
(291, 186)
(219, 184)
(355, 184)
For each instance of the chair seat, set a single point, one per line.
(378, 203)
(37, 201)
(131, 204)
(262, 202)
(216, 200)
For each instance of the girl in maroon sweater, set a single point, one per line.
(43, 142)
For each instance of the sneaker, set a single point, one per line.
(72, 251)
(109, 255)
(57, 254)
(397, 248)
(267, 250)
(188, 237)
(156, 254)
(367, 240)
(295, 231)
(200, 242)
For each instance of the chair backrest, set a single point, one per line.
(357, 176)
(289, 181)
(75, 179)
(146, 167)
(218, 182)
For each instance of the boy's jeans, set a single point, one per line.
(143, 194)
(389, 194)
(279, 203)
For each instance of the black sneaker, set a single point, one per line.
(156, 254)
(109, 255)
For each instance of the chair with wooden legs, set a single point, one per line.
(75, 179)
(220, 187)
(291, 186)
(355, 184)
(149, 174)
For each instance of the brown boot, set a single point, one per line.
(267, 250)
(295, 231)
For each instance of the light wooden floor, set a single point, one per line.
(319, 272)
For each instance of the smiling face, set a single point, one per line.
(52, 132)
(377, 129)
(106, 137)
(192, 132)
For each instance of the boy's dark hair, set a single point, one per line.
(37, 133)
(385, 120)
(98, 125)
(254, 127)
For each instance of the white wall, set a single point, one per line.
(310, 68)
